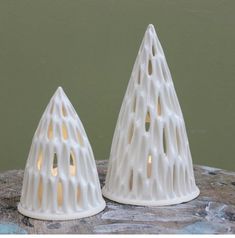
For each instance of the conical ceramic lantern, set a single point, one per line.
(60, 179)
(150, 161)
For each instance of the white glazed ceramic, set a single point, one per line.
(150, 161)
(60, 180)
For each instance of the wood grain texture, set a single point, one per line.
(212, 212)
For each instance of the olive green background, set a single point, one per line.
(89, 47)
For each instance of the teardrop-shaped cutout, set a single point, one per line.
(64, 131)
(50, 131)
(64, 111)
(40, 158)
(150, 67)
(178, 141)
(78, 194)
(40, 191)
(139, 77)
(159, 110)
(72, 166)
(147, 121)
(131, 132)
(149, 166)
(80, 140)
(59, 194)
(164, 141)
(164, 71)
(131, 180)
(153, 50)
(175, 179)
(54, 169)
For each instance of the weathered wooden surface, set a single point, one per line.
(212, 212)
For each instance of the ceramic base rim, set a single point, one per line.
(61, 217)
(173, 201)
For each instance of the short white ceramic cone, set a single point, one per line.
(150, 160)
(60, 180)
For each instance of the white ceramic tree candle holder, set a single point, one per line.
(60, 180)
(150, 160)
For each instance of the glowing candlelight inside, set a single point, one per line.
(72, 170)
(149, 166)
(53, 160)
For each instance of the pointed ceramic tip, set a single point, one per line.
(149, 35)
(59, 89)
(151, 29)
(59, 92)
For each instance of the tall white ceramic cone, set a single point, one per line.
(150, 160)
(60, 179)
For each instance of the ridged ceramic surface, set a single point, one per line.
(150, 161)
(60, 180)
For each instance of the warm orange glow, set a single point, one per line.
(64, 132)
(50, 131)
(39, 162)
(54, 172)
(79, 138)
(40, 190)
(64, 111)
(149, 166)
(72, 168)
(59, 194)
(147, 118)
(147, 121)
